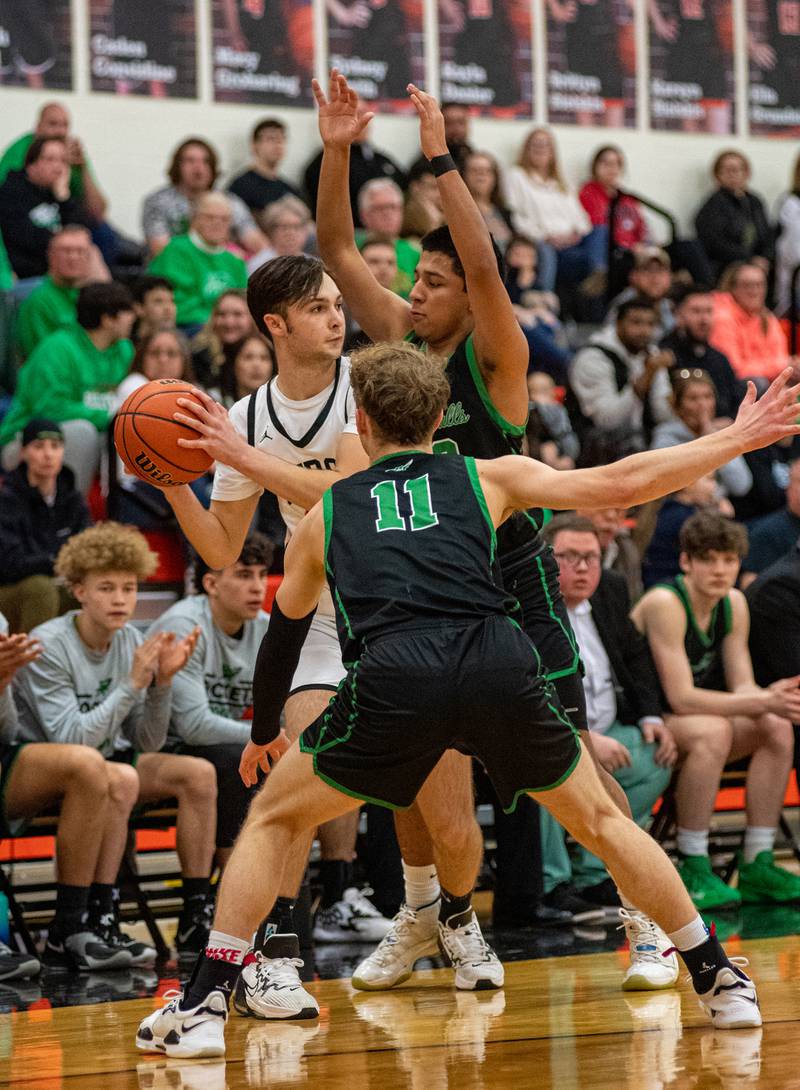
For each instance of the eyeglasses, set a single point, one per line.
(691, 372)
(573, 559)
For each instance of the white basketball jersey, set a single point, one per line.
(305, 433)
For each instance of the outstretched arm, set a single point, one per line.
(296, 483)
(382, 315)
(515, 483)
(500, 345)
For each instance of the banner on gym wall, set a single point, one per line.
(691, 66)
(263, 51)
(485, 55)
(36, 44)
(591, 62)
(773, 50)
(378, 45)
(143, 47)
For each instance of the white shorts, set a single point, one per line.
(320, 665)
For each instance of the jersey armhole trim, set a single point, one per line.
(327, 518)
(505, 426)
(477, 488)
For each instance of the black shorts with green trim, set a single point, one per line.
(474, 686)
(532, 577)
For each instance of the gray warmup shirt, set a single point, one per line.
(74, 694)
(8, 713)
(215, 688)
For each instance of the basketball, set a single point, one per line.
(146, 435)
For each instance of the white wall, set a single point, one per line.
(130, 139)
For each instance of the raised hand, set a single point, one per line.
(431, 123)
(15, 652)
(341, 121)
(218, 437)
(174, 654)
(773, 416)
(145, 661)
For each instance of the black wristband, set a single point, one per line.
(276, 663)
(442, 164)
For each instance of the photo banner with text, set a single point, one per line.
(691, 66)
(263, 51)
(591, 62)
(378, 45)
(773, 49)
(143, 47)
(485, 55)
(36, 44)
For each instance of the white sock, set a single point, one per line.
(693, 934)
(222, 947)
(693, 841)
(422, 885)
(757, 838)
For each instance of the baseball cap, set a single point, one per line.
(41, 428)
(648, 254)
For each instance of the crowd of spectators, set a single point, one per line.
(633, 346)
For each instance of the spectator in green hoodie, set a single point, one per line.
(199, 265)
(71, 377)
(72, 261)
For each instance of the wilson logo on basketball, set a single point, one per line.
(146, 466)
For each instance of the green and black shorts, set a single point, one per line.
(475, 686)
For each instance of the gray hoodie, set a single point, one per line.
(74, 694)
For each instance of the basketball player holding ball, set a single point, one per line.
(295, 436)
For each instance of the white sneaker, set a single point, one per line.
(270, 987)
(476, 964)
(652, 967)
(732, 1002)
(353, 919)
(412, 934)
(186, 1034)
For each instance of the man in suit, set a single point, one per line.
(623, 704)
(774, 601)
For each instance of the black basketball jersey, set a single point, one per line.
(704, 649)
(409, 543)
(472, 425)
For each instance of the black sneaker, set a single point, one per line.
(193, 929)
(604, 895)
(566, 899)
(107, 928)
(13, 964)
(84, 951)
(527, 913)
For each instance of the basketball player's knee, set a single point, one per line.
(776, 734)
(123, 786)
(714, 740)
(84, 770)
(197, 781)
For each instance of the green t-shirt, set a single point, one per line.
(46, 309)
(407, 256)
(67, 378)
(13, 158)
(198, 276)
